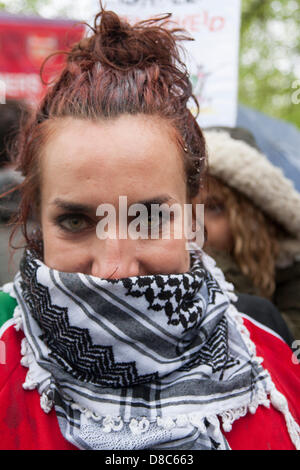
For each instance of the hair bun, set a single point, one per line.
(117, 44)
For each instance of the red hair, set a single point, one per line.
(118, 69)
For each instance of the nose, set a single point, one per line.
(114, 259)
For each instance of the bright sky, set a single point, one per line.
(78, 9)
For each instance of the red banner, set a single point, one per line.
(25, 42)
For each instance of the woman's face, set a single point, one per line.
(216, 220)
(87, 164)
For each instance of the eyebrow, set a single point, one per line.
(165, 198)
(73, 206)
(79, 207)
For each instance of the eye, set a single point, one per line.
(73, 222)
(152, 223)
(214, 207)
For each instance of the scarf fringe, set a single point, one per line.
(140, 426)
(277, 399)
(8, 288)
(279, 402)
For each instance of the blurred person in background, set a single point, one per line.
(252, 217)
(12, 114)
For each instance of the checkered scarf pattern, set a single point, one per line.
(136, 363)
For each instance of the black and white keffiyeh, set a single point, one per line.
(143, 362)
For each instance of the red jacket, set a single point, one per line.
(25, 426)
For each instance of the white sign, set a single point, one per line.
(212, 58)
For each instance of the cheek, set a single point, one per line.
(218, 233)
(63, 254)
(159, 257)
(165, 257)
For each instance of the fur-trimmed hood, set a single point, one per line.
(236, 160)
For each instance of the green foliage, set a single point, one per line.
(23, 6)
(269, 57)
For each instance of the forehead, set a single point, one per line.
(126, 155)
